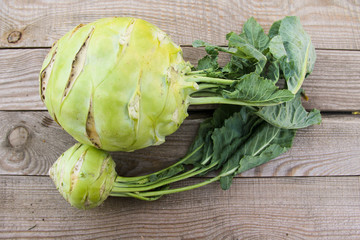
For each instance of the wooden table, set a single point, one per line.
(311, 192)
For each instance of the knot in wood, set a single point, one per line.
(18, 137)
(14, 37)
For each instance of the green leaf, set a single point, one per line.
(244, 54)
(235, 68)
(251, 57)
(257, 91)
(199, 142)
(265, 136)
(274, 29)
(277, 48)
(236, 129)
(222, 113)
(208, 62)
(290, 42)
(266, 143)
(203, 138)
(273, 71)
(199, 43)
(255, 35)
(290, 115)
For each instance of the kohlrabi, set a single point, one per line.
(120, 84)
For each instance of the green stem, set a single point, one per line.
(203, 86)
(127, 185)
(218, 81)
(130, 185)
(176, 190)
(191, 173)
(136, 179)
(135, 195)
(198, 72)
(221, 100)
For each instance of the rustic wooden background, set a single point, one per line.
(311, 192)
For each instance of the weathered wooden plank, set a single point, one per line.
(333, 86)
(253, 208)
(31, 142)
(330, 149)
(19, 79)
(332, 24)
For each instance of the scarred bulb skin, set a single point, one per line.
(116, 84)
(84, 175)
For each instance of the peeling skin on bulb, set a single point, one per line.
(75, 171)
(161, 37)
(103, 167)
(91, 127)
(171, 75)
(77, 65)
(86, 200)
(175, 116)
(45, 75)
(133, 107)
(76, 29)
(125, 38)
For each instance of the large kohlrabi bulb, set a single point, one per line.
(116, 84)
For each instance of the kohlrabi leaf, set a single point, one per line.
(238, 140)
(273, 71)
(202, 146)
(277, 48)
(199, 43)
(236, 129)
(252, 58)
(290, 115)
(244, 55)
(266, 135)
(265, 143)
(208, 62)
(257, 91)
(274, 29)
(196, 150)
(292, 44)
(255, 35)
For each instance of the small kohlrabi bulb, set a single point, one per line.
(84, 175)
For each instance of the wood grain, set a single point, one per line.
(332, 24)
(253, 208)
(263, 203)
(30, 142)
(333, 86)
